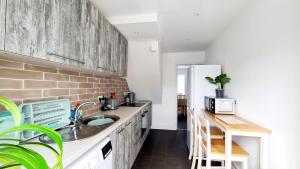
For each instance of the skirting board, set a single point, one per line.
(164, 126)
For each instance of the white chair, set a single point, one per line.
(214, 149)
(191, 114)
(194, 135)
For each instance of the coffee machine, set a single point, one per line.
(130, 98)
(109, 103)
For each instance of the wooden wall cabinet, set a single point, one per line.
(123, 56)
(65, 31)
(25, 28)
(2, 23)
(104, 55)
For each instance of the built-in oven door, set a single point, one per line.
(144, 122)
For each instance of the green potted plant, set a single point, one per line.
(16, 153)
(220, 81)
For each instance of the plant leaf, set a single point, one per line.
(45, 130)
(58, 163)
(25, 157)
(210, 80)
(4, 162)
(12, 108)
(10, 165)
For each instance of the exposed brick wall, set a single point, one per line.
(24, 83)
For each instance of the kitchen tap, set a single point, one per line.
(76, 116)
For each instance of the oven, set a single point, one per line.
(144, 121)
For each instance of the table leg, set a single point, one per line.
(264, 152)
(228, 149)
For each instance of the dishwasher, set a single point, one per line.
(99, 157)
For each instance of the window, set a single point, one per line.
(181, 84)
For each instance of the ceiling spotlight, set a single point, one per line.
(136, 33)
(196, 14)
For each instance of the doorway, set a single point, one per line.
(183, 95)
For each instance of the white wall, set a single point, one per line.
(183, 72)
(144, 70)
(261, 52)
(165, 114)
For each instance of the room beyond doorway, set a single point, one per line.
(183, 86)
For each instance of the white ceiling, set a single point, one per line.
(180, 25)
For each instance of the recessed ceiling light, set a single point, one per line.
(136, 33)
(196, 14)
(187, 39)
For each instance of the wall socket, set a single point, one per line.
(125, 94)
(100, 97)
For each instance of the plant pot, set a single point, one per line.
(219, 93)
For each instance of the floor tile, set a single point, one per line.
(164, 149)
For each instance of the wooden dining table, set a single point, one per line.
(244, 128)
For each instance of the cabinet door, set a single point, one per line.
(138, 131)
(149, 116)
(114, 50)
(92, 38)
(63, 31)
(123, 45)
(135, 136)
(2, 23)
(75, 50)
(128, 144)
(104, 55)
(25, 28)
(118, 143)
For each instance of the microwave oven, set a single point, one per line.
(219, 105)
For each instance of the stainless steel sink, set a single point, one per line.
(89, 120)
(82, 130)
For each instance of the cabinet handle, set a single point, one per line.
(64, 57)
(121, 130)
(128, 124)
(103, 68)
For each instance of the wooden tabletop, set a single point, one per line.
(247, 127)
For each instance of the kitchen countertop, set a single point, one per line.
(75, 149)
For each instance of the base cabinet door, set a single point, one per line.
(118, 145)
(150, 115)
(128, 145)
(124, 143)
(136, 130)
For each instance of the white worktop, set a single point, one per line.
(75, 149)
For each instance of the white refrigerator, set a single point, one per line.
(200, 87)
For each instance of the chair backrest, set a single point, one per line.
(191, 113)
(182, 102)
(204, 130)
(181, 96)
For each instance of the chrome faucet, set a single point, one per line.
(76, 116)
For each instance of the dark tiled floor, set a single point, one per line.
(182, 122)
(164, 149)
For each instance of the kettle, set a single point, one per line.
(131, 97)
